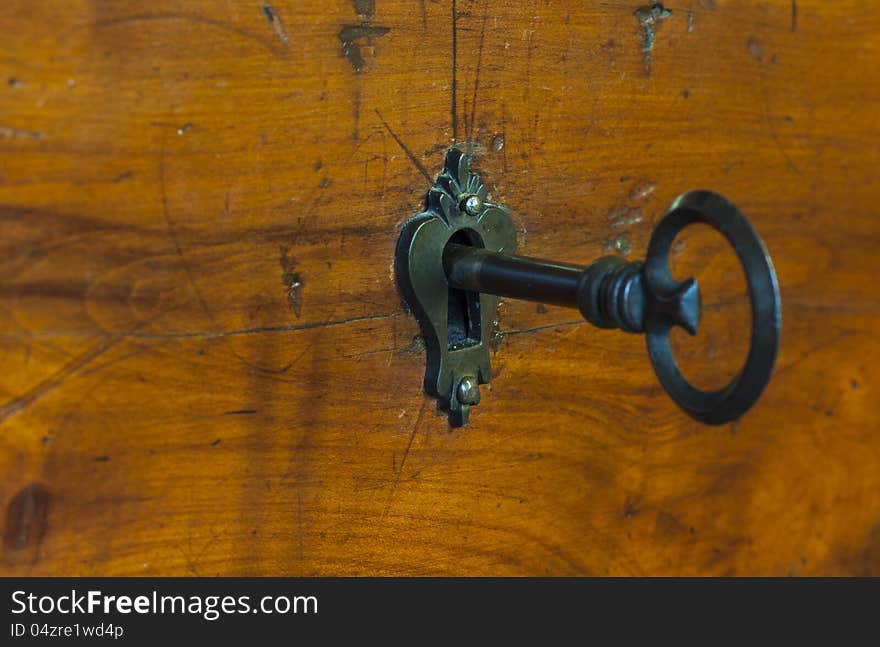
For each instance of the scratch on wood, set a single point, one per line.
(125, 175)
(19, 404)
(356, 111)
(191, 18)
(412, 435)
(470, 127)
(99, 367)
(624, 217)
(756, 51)
(277, 24)
(794, 15)
(642, 190)
(19, 133)
(530, 48)
(299, 525)
(649, 17)
(172, 234)
(206, 334)
(276, 372)
(292, 281)
(412, 158)
(454, 72)
(526, 331)
(846, 334)
(773, 132)
(192, 562)
(187, 556)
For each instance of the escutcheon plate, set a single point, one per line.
(457, 327)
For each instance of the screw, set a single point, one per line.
(473, 205)
(469, 391)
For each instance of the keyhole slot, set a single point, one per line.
(463, 317)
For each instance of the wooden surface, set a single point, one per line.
(207, 368)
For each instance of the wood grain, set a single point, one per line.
(207, 366)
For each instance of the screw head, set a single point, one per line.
(473, 205)
(469, 391)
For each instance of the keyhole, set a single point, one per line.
(463, 320)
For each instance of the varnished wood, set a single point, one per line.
(206, 365)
